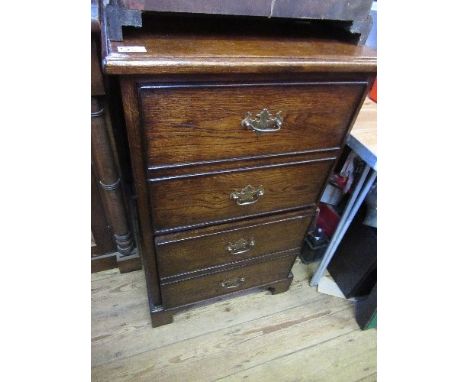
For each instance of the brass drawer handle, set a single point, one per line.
(248, 195)
(233, 283)
(240, 246)
(264, 123)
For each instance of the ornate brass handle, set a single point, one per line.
(264, 123)
(234, 283)
(240, 246)
(248, 195)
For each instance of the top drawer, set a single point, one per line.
(187, 123)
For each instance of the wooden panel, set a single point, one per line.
(129, 263)
(205, 198)
(156, 173)
(129, 100)
(222, 7)
(319, 9)
(201, 288)
(303, 9)
(188, 45)
(199, 249)
(104, 262)
(190, 123)
(97, 83)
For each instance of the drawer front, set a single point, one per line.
(204, 248)
(220, 196)
(200, 122)
(216, 284)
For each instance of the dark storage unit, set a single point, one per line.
(354, 266)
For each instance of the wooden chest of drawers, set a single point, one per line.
(232, 138)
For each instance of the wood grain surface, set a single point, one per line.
(300, 335)
(202, 122)
(180, 170)
(181, 45)
(100, 227)
(146, 244)
(203, 248)
(184, 96)
(216, 284)
(302, 9)
(206, 198)
(106, 171)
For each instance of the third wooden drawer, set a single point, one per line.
(186, 252)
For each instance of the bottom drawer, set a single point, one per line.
(204, 287)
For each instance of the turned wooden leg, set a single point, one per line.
(105, 169)
(282, 286)
(161, 317)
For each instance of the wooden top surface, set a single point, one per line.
(365, 127)
(190, 45)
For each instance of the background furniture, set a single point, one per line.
(234, 127)
(363, 141)
(112, 237)
(351, 16)
(366, 310)
(354, 265)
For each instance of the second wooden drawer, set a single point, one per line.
(187, 252)
(240, 193)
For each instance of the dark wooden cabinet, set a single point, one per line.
(232, 137)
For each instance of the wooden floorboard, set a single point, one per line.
(347, 357)
(299, 335)
(104, 274)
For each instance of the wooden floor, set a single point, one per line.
(300, 335)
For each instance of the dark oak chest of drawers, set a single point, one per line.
(232, 138)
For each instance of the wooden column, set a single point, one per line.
(108, 178)
(110, 225)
